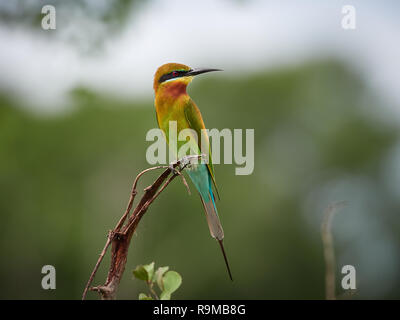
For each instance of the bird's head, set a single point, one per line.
(177, 73)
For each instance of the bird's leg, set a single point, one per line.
(185, 162)
(188, 161)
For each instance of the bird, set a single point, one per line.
(172, 103)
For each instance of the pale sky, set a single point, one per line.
(239, 37)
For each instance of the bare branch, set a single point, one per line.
(121, 235)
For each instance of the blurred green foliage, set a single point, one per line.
(28, 13)
(65, 181)
(108, 17)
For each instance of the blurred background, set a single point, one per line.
(76, 104)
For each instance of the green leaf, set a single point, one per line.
(165, 296)
(140, 273)
(172, 280)
(150, 271)
(144, 272)
(158, 276)
(143, 296)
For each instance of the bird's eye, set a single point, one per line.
(175, 73)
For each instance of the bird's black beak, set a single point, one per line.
(195, 72)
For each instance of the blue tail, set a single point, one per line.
(201, 178)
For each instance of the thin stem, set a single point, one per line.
(329, 253)
(117, 227)
(96, 267)
(152, 291)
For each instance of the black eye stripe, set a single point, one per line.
(171, 75)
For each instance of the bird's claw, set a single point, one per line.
(185, 162)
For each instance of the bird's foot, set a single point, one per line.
(188, 161)
(185, 162)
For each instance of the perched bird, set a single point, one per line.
(174, 104)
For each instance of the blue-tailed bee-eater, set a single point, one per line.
(174, 104)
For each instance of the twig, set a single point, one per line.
(117, 227)
(121, 235)
(183, 180)
(329, 253)
(152, 291)
(96, 267)
(133, 194)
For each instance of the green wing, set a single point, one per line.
(195, 120)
